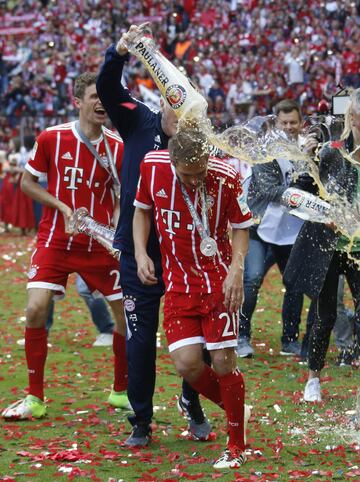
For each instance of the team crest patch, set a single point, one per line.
(244, 208)
(104, 161)
(175, 95)
(129, 305)
(32, 272)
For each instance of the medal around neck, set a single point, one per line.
(208, 246)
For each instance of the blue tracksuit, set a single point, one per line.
(140, 129)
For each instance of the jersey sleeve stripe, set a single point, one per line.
(141, 205)
(33, 171)
(244, 225)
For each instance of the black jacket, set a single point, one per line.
(314, 247)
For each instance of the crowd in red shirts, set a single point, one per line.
(243, 54)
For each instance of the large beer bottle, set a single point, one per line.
(174, 86)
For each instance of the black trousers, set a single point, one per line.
(326, 307)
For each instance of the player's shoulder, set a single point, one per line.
(51, 133)
(219, 167)
(157, 157)
(112, 136)
(67, 126)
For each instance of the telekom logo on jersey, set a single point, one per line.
(172, 220)
(75, 176)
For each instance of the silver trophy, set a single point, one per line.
(82, 222)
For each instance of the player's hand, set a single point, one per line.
(67, 213)
(146, 270)
(233, 289)
(128, 38)
(310, 144)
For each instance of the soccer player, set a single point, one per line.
(75, 158)
(193, 199)
(142, 130)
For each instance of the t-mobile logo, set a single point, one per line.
(73, 176)
(171, 219)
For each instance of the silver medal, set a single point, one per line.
(208, 246)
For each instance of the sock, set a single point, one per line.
(36, 353)
(208, 385)
(232, 389)
(120, 363)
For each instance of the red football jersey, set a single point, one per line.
(186, 269)
(76, 178)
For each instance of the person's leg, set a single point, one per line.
(118, 396)
(142, 317)
(352, 274)
(100, 314)
(39, 301)
(291, 308)
(232, 390)
(325, 317)
(309, 324)
(257, 262)
(344, 326)
(50, 317)
(189, 406)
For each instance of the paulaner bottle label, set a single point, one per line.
(173, 84)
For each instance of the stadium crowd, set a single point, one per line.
(245, 55)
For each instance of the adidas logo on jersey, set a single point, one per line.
(157, 138)
(161, 193)
(67, 155)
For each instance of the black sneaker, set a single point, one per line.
(140, 436)
(292, 348)
(199, 426)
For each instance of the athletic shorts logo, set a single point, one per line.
(32, 272)
(129, 305)
(175, 95)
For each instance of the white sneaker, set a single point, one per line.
(231, 458)
(29, 407)
(104, 339)
(312, 391)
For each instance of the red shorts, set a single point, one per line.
(50, 269)
(199, 318)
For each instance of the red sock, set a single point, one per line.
(36, 353)
(233, 393)
(208, 385)
(120, 363)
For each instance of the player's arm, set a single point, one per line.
(233, 284)
(30, 186)
(141, 231)
(116, 213)
(121, 107)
